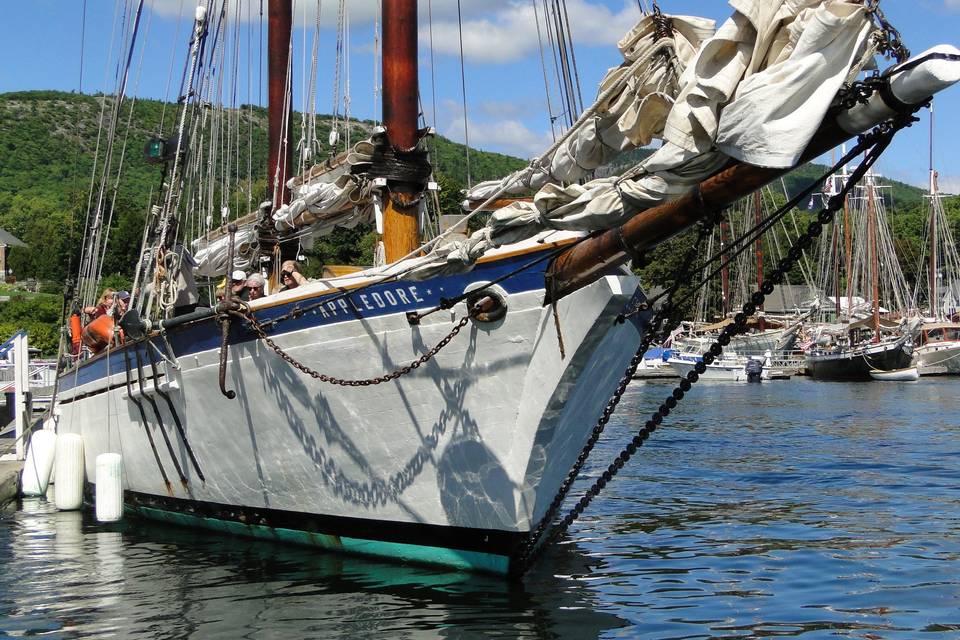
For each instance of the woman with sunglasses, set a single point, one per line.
(290, 276)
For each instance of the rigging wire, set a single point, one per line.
(573, 57)
(463, 89)
(543, 67)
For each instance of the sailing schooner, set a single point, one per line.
(436, 408)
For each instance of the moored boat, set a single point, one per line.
(437, 407)
(910, 374)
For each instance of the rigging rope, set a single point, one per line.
(463, 90)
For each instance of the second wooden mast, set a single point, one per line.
(401, 230)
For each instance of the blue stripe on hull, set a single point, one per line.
(378, 300)
(452, 558)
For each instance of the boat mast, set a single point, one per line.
(401, 232)
(934, 244)
(725, 268)
(280, 158)
(874, 259)
(847, 244)
(757, 219)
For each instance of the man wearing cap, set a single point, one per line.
(238, 283)
(121, 300)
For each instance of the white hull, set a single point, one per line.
(938, 358)
(461, 456)
(772, 340)
(910, 374)
(732, 370)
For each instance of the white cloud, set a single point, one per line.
(952, 5)
(496, 31)
(510, 32)
(510, 135)
(949, 183)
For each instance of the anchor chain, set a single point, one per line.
(879, 138)
(654, 331)
(322, 377)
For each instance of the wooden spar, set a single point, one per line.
(585, 262)
(589, 260)
(279, 162)
(401, 233)
(835, 251)
(500, 203)
(279, 116)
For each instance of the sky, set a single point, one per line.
(69, 45)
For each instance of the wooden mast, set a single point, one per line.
(758, 246)
(848, 250)
(401, 233)
(280, 158)
(874, 258)
(725, 269)
(279, 162)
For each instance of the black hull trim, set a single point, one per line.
(856, 364)
(484, 541)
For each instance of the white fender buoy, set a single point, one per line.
(69, 470)
(39, 463)
(109, 495)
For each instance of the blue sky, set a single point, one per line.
(506, 100)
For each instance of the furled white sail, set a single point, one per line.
(631, 107)
(756, 91)
(210, 252)
(335, 197)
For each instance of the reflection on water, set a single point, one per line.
(781, 509)
(66, 574)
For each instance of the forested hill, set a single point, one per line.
(49, 140)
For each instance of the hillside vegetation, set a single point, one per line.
(49, 141)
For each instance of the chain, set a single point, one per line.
(880, 138)
(653, 331)
(888, 40)
(393, 375)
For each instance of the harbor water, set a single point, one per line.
(786, 509)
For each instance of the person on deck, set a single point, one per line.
(121, 300)
(254, 287)
(103, 305)
(290, 276)
(238, 284)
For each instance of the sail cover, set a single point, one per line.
(756, 91)
(630, 110)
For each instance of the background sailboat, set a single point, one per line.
(879, 334)
(938, 348)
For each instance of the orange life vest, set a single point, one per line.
(98, 333)
(76, 328)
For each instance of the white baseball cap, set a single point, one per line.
(238, 275)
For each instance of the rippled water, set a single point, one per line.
(781, 509)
